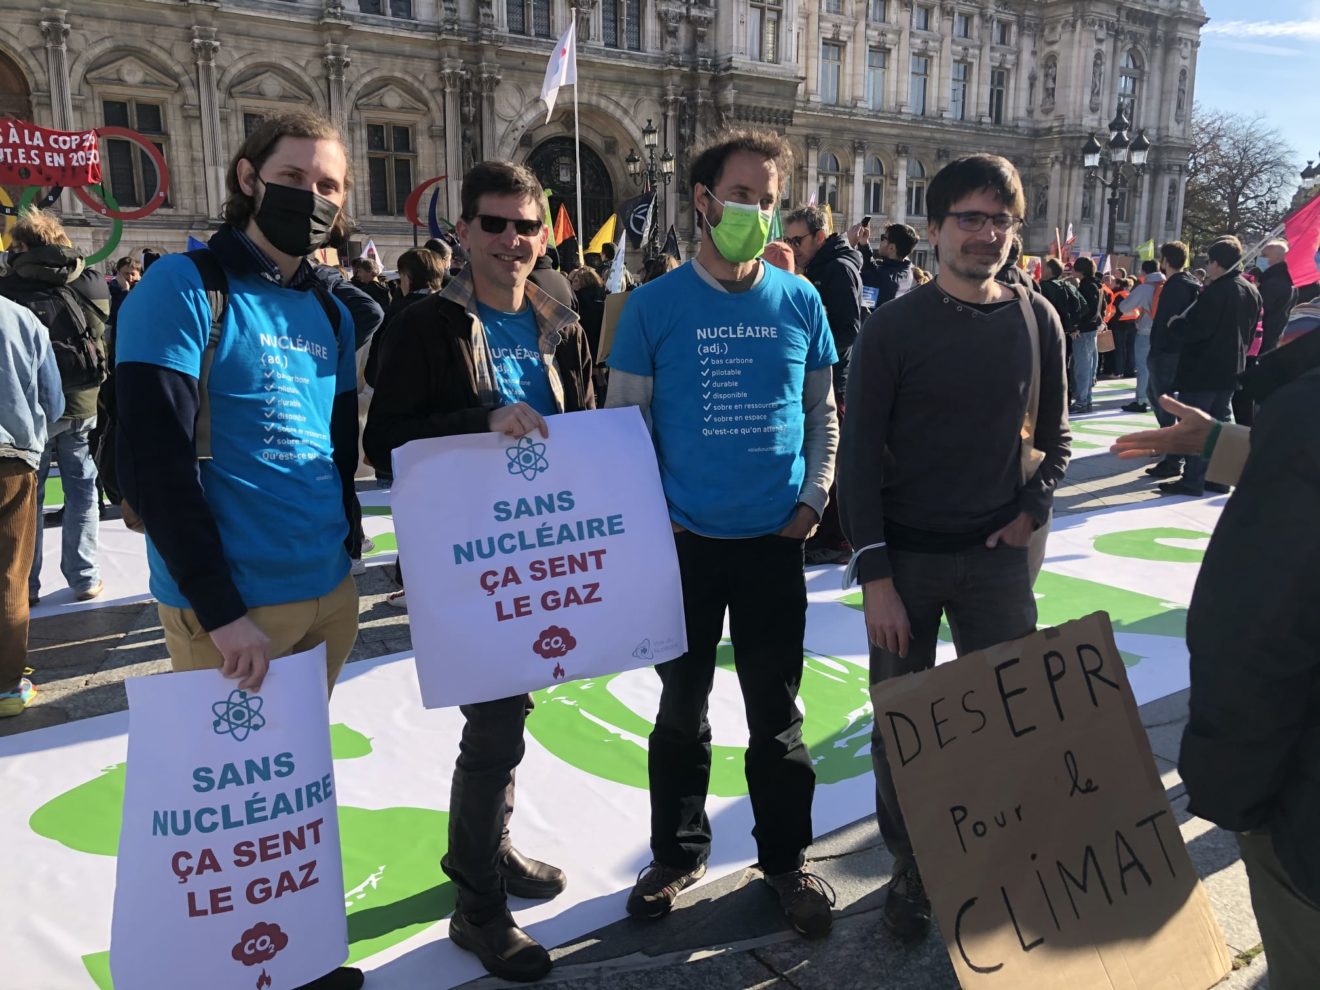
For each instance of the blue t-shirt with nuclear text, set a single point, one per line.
(726, 408)
(271, 482)
(520, 372)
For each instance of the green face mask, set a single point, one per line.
(742, 232)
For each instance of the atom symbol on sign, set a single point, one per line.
(238, 716)
(527, 457)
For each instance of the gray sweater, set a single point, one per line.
(931, 453)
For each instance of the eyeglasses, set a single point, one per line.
(973, 221)
(795, 242)
(498, 225)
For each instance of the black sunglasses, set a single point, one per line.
(498, 225)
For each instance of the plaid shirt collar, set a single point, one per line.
(552, 316)
(267, 269)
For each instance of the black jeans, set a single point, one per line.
(1163, 368)
(761, 584)
(1218, 405)
(986, 596)
(481, 802)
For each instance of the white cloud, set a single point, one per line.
(1307, 30)
(1255, 48)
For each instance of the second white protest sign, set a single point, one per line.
(536, 561)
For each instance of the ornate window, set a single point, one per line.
(1088, 201)
(962, 25)
(958, 91)
(132, 174)
(828, 175)
(391, 161)
(398, 8)
(1171, 204)
(916, 190)
(921, 17)
(877, 61)
(621, 24)
(530, 17)
(998, 95)
(918, 85)
(1129, 85)
(876, 11)
(831, 71)
(763, 30)
(875, 186)
(1003, 32)
(832, 6)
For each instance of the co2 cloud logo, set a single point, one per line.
(259, 944)
(554, 642)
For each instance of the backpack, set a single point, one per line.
(76, 340)
(1074, 303)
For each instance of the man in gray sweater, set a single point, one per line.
(955, 439)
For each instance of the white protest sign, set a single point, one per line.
(536, 561)
(229, 870)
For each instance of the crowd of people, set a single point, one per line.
(916, 428)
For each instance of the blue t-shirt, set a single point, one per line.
(271, 483)
(726, 410)
(520, 372)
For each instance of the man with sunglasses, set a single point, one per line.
(489, 352)
(730, 360)
(955, 439)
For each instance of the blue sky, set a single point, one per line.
(1259, 58)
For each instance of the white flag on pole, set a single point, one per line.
(562, 68)
(370, 251)
(614, 283)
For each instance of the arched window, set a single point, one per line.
(1130, 75)
(916, 188)
(875, 186)
(829, 172)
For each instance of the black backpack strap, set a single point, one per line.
(216, 284)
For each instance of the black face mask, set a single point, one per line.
(295, 221)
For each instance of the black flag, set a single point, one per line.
(671, 245)
(636, 216)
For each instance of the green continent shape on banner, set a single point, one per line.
(391, 856)
(1148, 544)
(589, 728)
(1060, 599)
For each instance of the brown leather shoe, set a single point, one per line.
(530, 878)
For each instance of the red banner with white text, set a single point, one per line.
(36, 156)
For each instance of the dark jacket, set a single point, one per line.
(888, 277)
(545, 276)
(384, 338)
(366, 312)
(591, 312)
(836, 272)
(1214, 334)
(1278, 297)
(1251, 751)
(380, 294)
(1179, 292)
(437, 379)
(1011, 274)
(1092, 290)
(37, 270)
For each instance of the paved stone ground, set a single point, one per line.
(728, 935)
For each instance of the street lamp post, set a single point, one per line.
(654, 173)
(1111, 165)
(1310, 176)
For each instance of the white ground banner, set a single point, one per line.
(229, 873)
(517, 553)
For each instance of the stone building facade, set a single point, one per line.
(875, 96)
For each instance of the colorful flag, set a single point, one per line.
(370, 252)
(1303, 232)
(563, 226)
(614, 282)
(1146, 251)
(635, 215)
(561, 69)
(603, 236)
(194, 244)
(829, 220)
(1072, 237)
(776, 225)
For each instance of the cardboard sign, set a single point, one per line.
(229, 873)
(614, 304)
(536, 561)
(1043, 834)
(37, 156)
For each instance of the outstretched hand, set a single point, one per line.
(1187, 436)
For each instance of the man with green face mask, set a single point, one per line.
(730, 360)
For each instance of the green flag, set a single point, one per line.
(776, 226)
(1146, 252)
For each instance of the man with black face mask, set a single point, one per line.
(238, 439)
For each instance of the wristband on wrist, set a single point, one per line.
(1211, 440)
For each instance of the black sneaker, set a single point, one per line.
(806, 900)
(907, 908)
(503, 948)
(1165, 469)
(343, 978)
(1217, 488)
(1181, 487)
(1136, 407)
(530, 878)
(658, 886)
